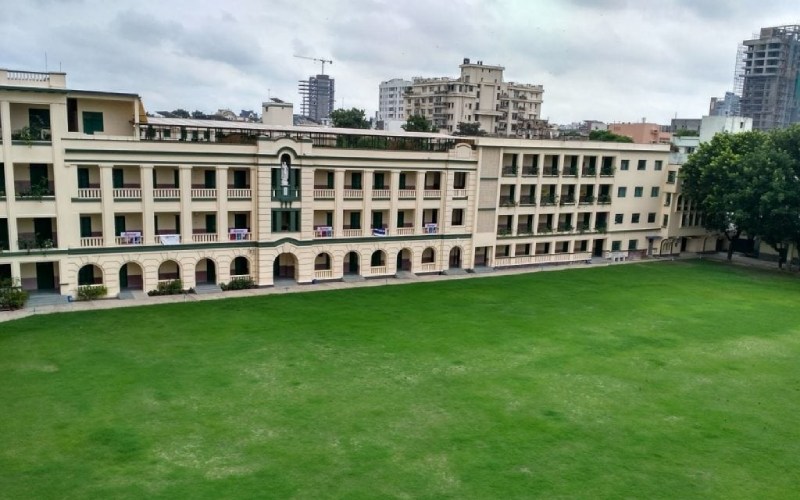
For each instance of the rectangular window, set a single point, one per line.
(616, 246)
(458, 216)
(624, 164)
(671, 177)
(659, 164)
(2, 179)
(240, 179)
(632, 244)
(355, 220)
(330, 180)
(635, 218)
(240, 221)
(654, 191)
(460, 180)
(642, 165)
(86, 226)
(285, 221)
(618, 218)
(92, 122)
(210, 179)
(402, 181)
(401, 218)
(355, 180)
(377, 220)
(622, 191)
(211, 223)
(118, 178)
(665, 221)
(638, 191)
(83, 178)
(119, 224)
(651, 218)
(378, 181)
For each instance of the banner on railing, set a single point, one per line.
(324, 231)
(431, 228)
(131, 237)
(378, 232)
(238, 234)
(170, 239)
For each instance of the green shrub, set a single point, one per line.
(173, 287)
(91, 292)
(12, 296)
(239, 284)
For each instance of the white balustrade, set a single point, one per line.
(459, 193)
(204, 237)
(89, 193)
(352, 233)
(323, 274)
(166, 193)
(324, 194)
(204, 193)
(404, 231)
(381, 193)
(558, 258)
(432, 193)
(407, 193)
(128, 240)
(92, 241)
(240, 193)
(428, 267)
(377, 270)
(353, 194)
(127, 193)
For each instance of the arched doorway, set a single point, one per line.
(240, 267)
(90, 275)
(429, 256)
(285, 267)
(131, 277)
(205, 272)
(351, 265)
(169, 270)
(455, 258)
(404, 257)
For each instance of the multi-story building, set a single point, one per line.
(771, 94)
(643, 133)
(391, 100)
(96, 192)
(478, 95)
(730, 105)
(317, 97)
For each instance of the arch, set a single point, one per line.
(90, 274)
(404, 259)
(169, 270)
(205, 272)
(285, 267)
(454, 261)
(351, 263)
(323, 262)
(240, 266)
(378, 258)
(131, 276)
(428, 256)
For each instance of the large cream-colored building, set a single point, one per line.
(478, 95)
(95, 192)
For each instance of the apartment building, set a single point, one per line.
(479, 95)
(95, 192)
(391, 99)
(643, 133)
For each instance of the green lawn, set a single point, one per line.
(670, 380)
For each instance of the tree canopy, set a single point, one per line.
(349, 118)
(418, 123)
(749, 183)
(469, 128)
(608, 136)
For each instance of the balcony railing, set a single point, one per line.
(432, 193)
(204, 193)
(524, 229)
(241, 193)
(507, 201)
(589, 172)
(570, 172)
(406, 194)
(323, 232)
(548, 200)
(381, 194)
(353, 194)
(129, 240)
(404, 231)
(204, 237)
(127, 193)
(168, 239)
(352, 233)
(567, 199)
(586, 200)
(285, 194)
(604, 199)
(509, 171)
(237, 234)
(529, 201)
(430, 228)
(550, 172)
(504, 231)
(606, 171)
(459, 193)
(91, 241)
(324, 194)
(427, 267)
(166, 193)
(377, 270)
(89, 193)
(558, 258)
(530, 171)
(323, 274)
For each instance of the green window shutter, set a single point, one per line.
(355, 220)
(401, 216)
(210, 179)
(402, 181)
(330, 180)
(92, 122)
(294, 220)
(83, 178)
(275, 215)
(377, 220)
(356, 177)
(378, 181)
(294, 178)
(155, 224)
(155, 179)
(211, 223)
(177, 224)
(119, 224)
(86, 226)
(239, 179)
(177, 177)
(276, 178)
(329, 219)
(118, 178)
(2, 178)
(240, 221)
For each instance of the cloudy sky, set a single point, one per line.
(611, 60)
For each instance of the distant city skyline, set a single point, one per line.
(614, 60)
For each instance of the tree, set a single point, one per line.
(349, 118)
(418, 123)
(608, 136)
(469, 128)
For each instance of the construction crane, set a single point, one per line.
(322, 61)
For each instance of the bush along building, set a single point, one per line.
(95, 193)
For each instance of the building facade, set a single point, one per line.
(391, 100)
(478, 95)
(94, 192)
(771, 93)
(643, 133)
(317, 97)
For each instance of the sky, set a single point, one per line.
(608, 60)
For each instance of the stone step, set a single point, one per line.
(482, 269)
(41, 299)
(405, 275)
(454, 271)
(206, 288)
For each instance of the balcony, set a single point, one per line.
(570, 172)
(430, 228)
(204, 237)
(427, 267)
(527, 201)
(381, 194)
(127, 193)
(558, 258)
(432, 194)
(166, 194)
(89, 193)
(567, 199)
(565, 228)
(92, 242)
(504, 231)
(604, 199)
(606, 171)
(323, 232)
(353, 194)
(238, 234)
(460, 194)
(204, 194)
(548, 200)
(168, 239)
(377, 271)
(407, 194)
(524, 229)
(129, 238)
(352, 233)
(240, 193)
(324, 194)
(550, 172)
(404, 231)
(589, 172)
(509, 171)
(587, 200)
(530, 171)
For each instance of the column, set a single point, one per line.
(420, 185)
(148, 206)
(394, 183)
(366, 221)
(107, 202)
(338, 206)
(5, 125)
(222, 203)
(186, 203)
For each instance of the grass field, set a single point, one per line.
(667, 380)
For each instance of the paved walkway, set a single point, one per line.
(335, 285)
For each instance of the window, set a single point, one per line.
(671, 177)
(618, 218)
(616, 246)
(285, 221)
(460, 180)
(239, 179)
(659, 164)
(632, 244)
(635, 218)
(378, 181)
(355, 180)
(654, 191)
(665, 221)
(92, 122)
(651, 218)
(638, 191)
(83, 178)
(86, 226)
(642, 165)
(458, 216)
(624, 164)
(622, 191)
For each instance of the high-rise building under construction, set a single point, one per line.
(771, 91)
(317, 97)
